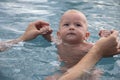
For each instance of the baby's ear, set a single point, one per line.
(87, 35)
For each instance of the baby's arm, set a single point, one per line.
(33, 30)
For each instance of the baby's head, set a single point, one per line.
(73, 27)
(75, 15)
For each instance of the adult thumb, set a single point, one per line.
(114, 33)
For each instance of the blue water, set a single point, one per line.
(33, 60)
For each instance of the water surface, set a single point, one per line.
(33, 60)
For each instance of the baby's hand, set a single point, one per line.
(104, 33)
(45, 30)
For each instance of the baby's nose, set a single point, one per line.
(71, 28)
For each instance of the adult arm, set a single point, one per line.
(33, 30)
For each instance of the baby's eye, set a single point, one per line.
(78, 25)
(66, 24)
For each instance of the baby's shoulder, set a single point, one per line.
(88, 46)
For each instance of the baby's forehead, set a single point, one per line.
(74, 14)
(73, 11)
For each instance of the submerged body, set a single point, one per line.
(66, 53)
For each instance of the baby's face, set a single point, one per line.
(73, 27)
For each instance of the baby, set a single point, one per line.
(73, 34)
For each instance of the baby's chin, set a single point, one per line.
(72, 40)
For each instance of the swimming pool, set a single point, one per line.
(33, 60)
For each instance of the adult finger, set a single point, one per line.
(114, 33)
(39, 22)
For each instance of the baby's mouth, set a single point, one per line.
(71, 33)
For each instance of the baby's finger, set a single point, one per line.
(42, 32)
(48, 29)
(45, 29)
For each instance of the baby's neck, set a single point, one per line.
(73, 45)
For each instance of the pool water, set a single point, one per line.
(36, 59)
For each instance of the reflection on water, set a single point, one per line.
(36, 59)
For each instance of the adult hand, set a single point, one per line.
(36, 28)
(108, 45)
